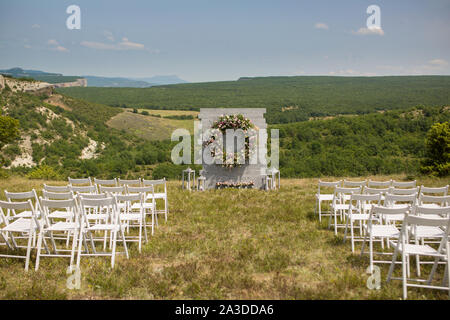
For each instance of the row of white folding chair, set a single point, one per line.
(320, 197)
(123, 182)
(70, 224)
(418, 223)
(391, 190)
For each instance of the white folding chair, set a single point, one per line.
(80, 181)
(83, 189)
(433, 201)
(407, 249)
(324, 197)
(53, 230)
(112, 225)
(379, 184)
(442, 191)
(56, 188)
(62, 213)
(149, 203)
(376, 230)
(358, 211)
(21, 197)
(381, 191)
(23, 226)
(407, 191)
(112, 190)
(133, 214)
(162, 194)
(428, 234)
(340, 205)
(404, 184)
(130, 182)
(105, 182)
(398, 201)
(353, 184)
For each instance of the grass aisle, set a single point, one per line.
(220, 244)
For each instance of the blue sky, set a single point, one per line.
(210, 40)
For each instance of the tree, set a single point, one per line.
(9, 129)
(438, 150)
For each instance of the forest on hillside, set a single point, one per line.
(287, 99)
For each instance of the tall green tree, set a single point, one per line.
(9, 129)
(438, 150)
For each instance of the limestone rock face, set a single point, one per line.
(2, 82)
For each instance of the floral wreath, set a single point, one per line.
(235, 121)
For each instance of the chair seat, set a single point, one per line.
(130, 216)
(160, 195)
(20, 225)
(386, 231)
(324, 197)
(145, 205)
(60, 214)
(393, 217)
(343, 207)
(97, 216)
(358, 216)
(62, 226)
(24, 214)
(427, 232)
(418, 249)
(431, 205)
(105, 227)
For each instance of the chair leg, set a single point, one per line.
(352, 236)
(404, 262)
(371, 254)
(38, 253)
(394, 260)
(31, 236)
(72, 252)
(124, 244)
(113, 254)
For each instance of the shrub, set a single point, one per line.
(44, 172)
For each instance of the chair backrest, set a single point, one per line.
(348, 183)
(368, 190)
(70, 205)
(132, 182)
(57, 195)
(154, 183)
(106, 205)
(327, 184)
(363, 202)
(440, 200)
(443, 211)
(378, 184)
(145, 190)
(17, 206)
(87, 181)
(343, 194)
(382, 210)
(392, 199)
(107, 182)
(92, 195)
(413, 221)
(56, 188)
(112, 190)
(28, 195)
(129, 199)
(83, 189)
(434, 191)
(404, 184)
(404, 191)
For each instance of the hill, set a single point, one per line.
(52, 78)
(161, 80)
(94, 81)
(287, 99)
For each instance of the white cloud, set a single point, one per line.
(52, 42)
(369, 31)
(109, 35)
(35, 26)
(124, 44)
(27, 46)
(321, 25)
(438, 62)
(61, 49)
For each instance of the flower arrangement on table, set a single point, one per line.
(235, 122)
(238, 185)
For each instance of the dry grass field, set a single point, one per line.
(219, 244)
(151, 127)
